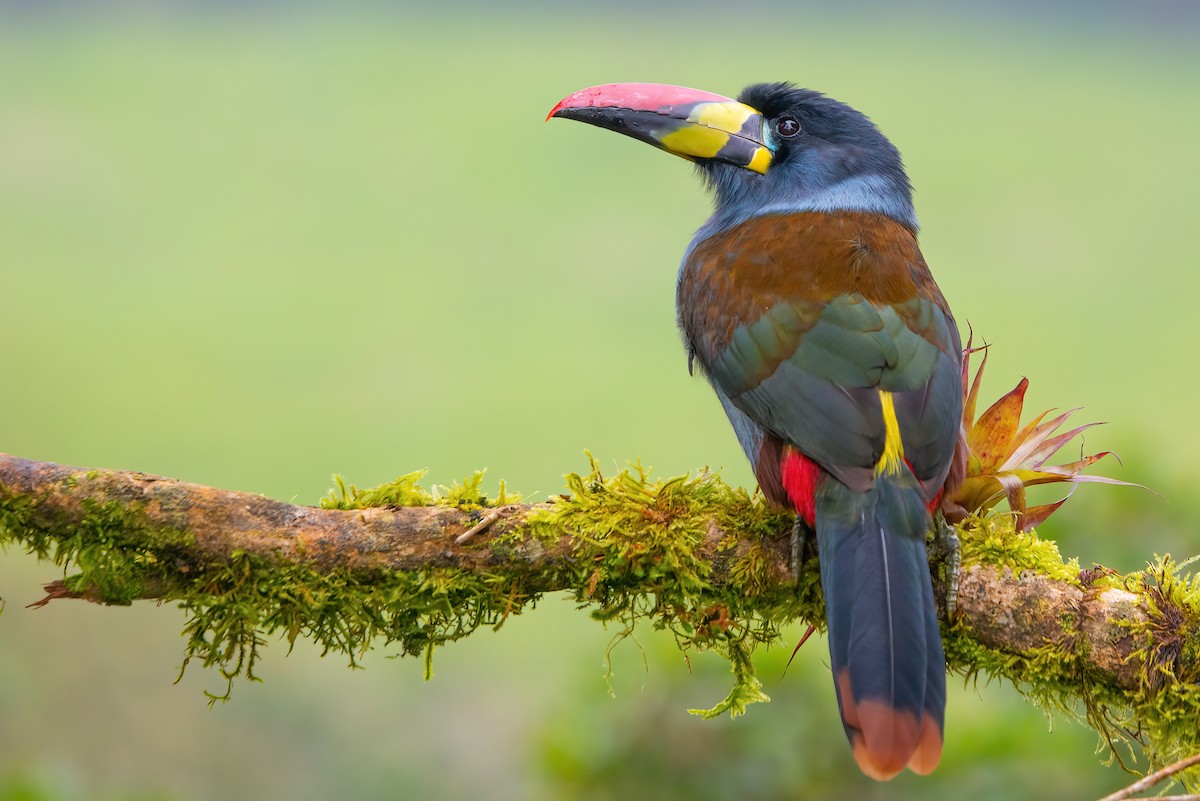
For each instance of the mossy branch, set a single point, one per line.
(710, 563)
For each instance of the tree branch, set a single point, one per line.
(1005, 611)
(221, 523)
(1157, 777)
(694, 555)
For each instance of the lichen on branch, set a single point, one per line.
(710, 563)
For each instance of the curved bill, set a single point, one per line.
(690, 123)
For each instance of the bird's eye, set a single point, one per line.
(786, 127)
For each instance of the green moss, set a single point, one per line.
(248, 600)
(993, 540)
(1166, 706)
(637, 540)
(747, 689)
(404, 491)
(119, 554)
(467, 494)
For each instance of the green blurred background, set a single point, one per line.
(250, 248)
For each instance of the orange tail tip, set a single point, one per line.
(929, 748)
(887, 740)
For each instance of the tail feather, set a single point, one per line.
(884, 644)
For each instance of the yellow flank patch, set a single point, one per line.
(695, 141)
(892, 459)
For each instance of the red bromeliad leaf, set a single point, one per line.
(1035, 440)
(1033, 430)
(1005, 458)
(1075, 467)
(991, 438)
(1035, 515)
(971, 397)
(1014, 492)
(974, 494)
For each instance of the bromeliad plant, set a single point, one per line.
(1005, 458)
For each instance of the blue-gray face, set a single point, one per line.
(826, 157)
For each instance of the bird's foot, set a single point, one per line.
(802, 546)
(946, 550)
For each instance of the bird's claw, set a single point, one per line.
(802, 544)
(946, 549)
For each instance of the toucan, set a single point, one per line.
(806, 302)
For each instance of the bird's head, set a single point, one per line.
(775, 149)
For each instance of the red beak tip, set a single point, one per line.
(636, 96)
